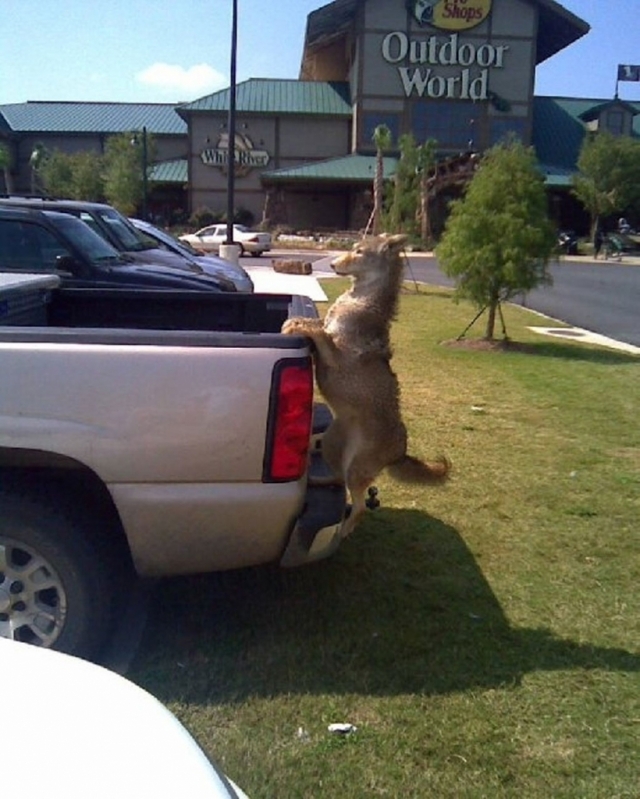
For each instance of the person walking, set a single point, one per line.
(598, 241)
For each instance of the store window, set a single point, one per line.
(370, 122)
(502, 129)
(615, 122)
(451, 124)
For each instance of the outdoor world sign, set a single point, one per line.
(418, 59)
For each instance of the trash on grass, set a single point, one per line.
(342, 729)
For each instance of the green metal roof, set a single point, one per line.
(176, 171)
(265, 96)
(350, 169)
(69, 117)
(558, 129)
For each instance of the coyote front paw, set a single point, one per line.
(298, 326)
(290, 327)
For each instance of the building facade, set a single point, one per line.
(461, 72)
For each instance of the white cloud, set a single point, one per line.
(195, 81)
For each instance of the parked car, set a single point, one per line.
(210, 238)
(210, 263)
(98, 735)
(115, 228)
(43, 241)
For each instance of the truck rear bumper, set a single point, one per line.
(318, 531)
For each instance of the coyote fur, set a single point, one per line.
(352, 362)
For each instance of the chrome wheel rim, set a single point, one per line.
(33, 602)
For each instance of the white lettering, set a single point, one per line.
(466, 55)
(500, 51)
(395, 47)
(398, 47)
(486, 55)
(418, 52)
(424, 83)
(478, 87)
(437, 87)
(417, 81)
(449, 51)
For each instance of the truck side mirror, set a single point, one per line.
(66, 265)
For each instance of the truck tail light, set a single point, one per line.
(290, 415)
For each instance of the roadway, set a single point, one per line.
(603, 297)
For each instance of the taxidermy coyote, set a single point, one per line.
(352, 361)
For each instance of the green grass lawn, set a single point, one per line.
(483, 637)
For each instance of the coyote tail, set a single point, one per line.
(412, 470)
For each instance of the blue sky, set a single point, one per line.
(178, 50)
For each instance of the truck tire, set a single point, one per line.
(54, 585)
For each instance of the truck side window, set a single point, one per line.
(25, 247)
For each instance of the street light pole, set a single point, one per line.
(145, 159)
(231, 128)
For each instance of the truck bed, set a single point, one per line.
(36, 310)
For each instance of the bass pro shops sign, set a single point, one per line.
(449, 15)
(426, 55)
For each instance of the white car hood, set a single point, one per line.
(72, 730)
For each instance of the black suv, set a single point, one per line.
(59, 243)
(121, 234)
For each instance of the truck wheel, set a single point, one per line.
(54, 588)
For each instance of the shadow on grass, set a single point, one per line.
(545, 349)
(403, 607)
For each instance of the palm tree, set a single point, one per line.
(6, 160)
(383, 140)
(426, 162)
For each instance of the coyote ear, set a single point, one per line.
(396, 240)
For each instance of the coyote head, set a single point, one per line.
(371, 257)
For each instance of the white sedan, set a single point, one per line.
(210, 238)
(72, 730)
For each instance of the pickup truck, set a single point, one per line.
(149, 433)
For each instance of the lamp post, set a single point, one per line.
(145, 159)
(230, 250)
(145, 163)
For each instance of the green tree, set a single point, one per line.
(77, 176)
(56, 174)
(88, 180)
(383, 140)
(498, 238)
(6, 162)
(608, 178)
(123, 171)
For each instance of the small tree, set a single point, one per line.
(88, 180)
(498, 239)
(383, 139)
(77, 176)
(123, 171)
(56, 174)
(608, 179)
(6, 162)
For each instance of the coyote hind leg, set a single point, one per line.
(358, 495)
